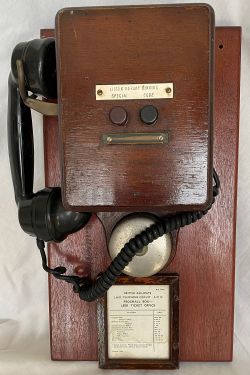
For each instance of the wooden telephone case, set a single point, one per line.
(172, 44)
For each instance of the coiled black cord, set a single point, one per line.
(90, 292)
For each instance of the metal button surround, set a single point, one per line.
(152, 258)
(118, 116)
(149, 114)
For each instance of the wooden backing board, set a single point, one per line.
(205, 257)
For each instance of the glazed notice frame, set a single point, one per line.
(138, 323)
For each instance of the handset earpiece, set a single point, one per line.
(39, 62)
(40, 214)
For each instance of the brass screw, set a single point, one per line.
(168, 90)
(176, 298)
(175, 345)
(160, 138)
(109, 139)
(99, 92)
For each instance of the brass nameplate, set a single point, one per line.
(135, 138)
(135, 91)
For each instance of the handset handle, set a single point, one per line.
(33, 68)
(20, 143)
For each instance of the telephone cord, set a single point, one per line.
(91, 291)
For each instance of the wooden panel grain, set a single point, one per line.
(205, 257)
(72, 322)
(114, 45)
(73, 331)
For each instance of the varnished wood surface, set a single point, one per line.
(205, 256)
(110, 45)
(72, 321)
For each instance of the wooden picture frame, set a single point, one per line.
(127, 286)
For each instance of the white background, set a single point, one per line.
(24, 334)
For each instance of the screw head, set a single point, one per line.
(99, 92)
(175, 345)
(168, 90)
(176, 298)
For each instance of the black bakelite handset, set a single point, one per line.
(42, 214)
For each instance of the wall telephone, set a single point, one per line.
(136, 126)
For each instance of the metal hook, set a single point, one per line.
(46, 108)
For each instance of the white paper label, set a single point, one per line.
(135, 91)
(138, 321)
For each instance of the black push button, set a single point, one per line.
(118, 115)
(149, 114)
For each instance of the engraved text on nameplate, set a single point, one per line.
(134, 91)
